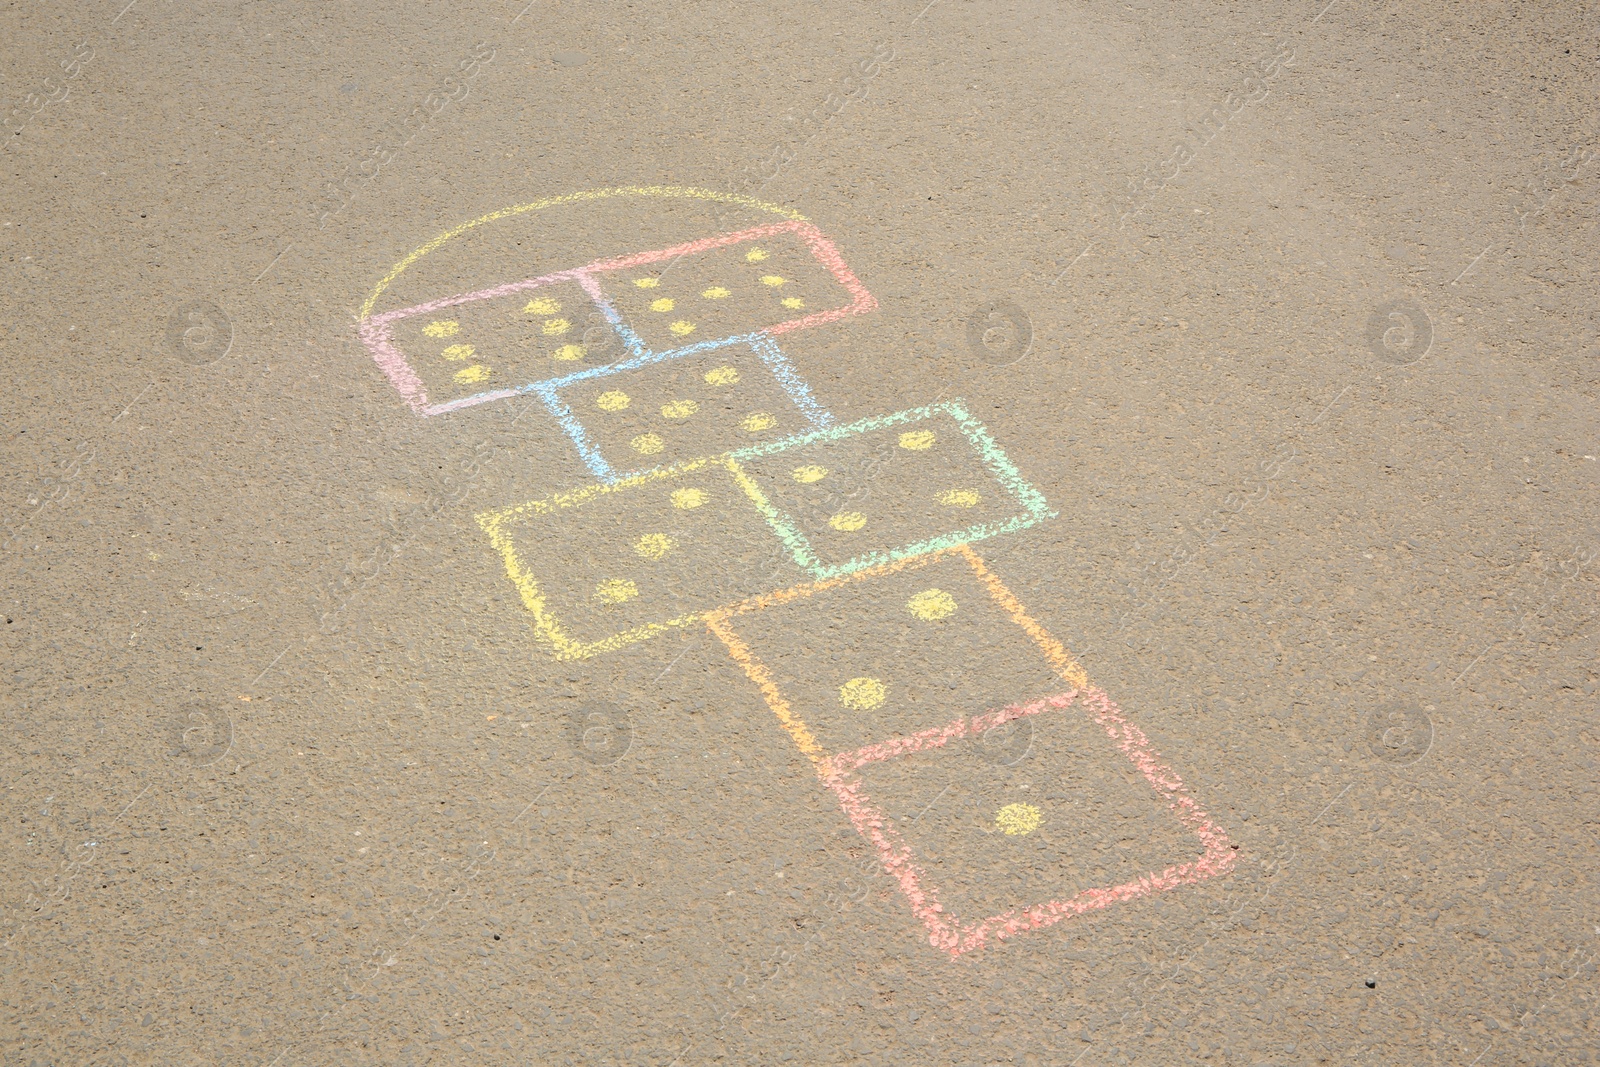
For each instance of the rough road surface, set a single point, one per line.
(960, 533)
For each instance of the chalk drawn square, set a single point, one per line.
(618, 563)
(886, 488)
(910, 649)
(770, 279)
(964, 884)
(646, 413)
(476, 347)
(1080, 823)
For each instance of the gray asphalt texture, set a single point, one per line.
(1288, 312)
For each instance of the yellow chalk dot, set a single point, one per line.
(958, 498)
(917, 440)
(793, 302)
(570, 352)
(654, 546)
(647, 283)
(755, 255)
(556, 326)
(458, 352)
(722, 376)
(1018, 819)
(848, 521)
(648, 444)
(716, 292)
(442, 328)
(682, 328)
(807, 475)
(612, 401)
(666, 303)
(931, 605)
(475, 373)
(615, 591)
(862, 694)
(758, 421)
(772, 280)
(541, 306)
(689, 499)
(679, 409)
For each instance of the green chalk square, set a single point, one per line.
(859, 476)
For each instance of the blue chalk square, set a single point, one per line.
(662, 409)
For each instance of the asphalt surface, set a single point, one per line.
(669, 535)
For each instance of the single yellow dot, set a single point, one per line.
(682, 328)
(570, 352)
(615, 591)
(772, 280)
(648, 444)
(475, 373)
(679, 409)
(654, 546)
(614, 400)
(722, 376)
(716, 292)
(793, 302)
(848, 521)
(541, 306)
(1018, 819)
(931, 605)
(958, 498)
(689, 499)
(666, 303)
(863, 694)
(807, 475)
(458, 352)
(647, 283)
(917, 440)
(755, 255)
(758, 421)
(554, 327)
(442, 328)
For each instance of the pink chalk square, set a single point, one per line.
(768, 279)
(472, 348)
(1008, 822)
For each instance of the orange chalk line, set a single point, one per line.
(838, 772)
(757, 671)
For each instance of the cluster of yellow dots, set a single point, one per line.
(473, 373)
(653, 547)
(683, 327)
(912, 441)
(650, 444)
(549, 310)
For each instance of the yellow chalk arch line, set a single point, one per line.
(571, 198)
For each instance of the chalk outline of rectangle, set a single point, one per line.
(765, 349)
(822, 249)
(377, 332)
(1218, 854)
(989, 453)
(545, 624)
(957, 937)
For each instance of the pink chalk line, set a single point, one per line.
(376, 333)
(956, 937)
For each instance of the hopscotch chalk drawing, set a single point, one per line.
(708, 446)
